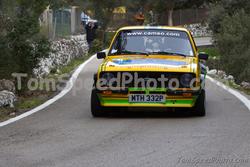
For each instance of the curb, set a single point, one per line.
(237, 94)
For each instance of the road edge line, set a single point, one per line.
(67, 89)
(237, 94)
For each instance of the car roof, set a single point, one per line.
(153, 27)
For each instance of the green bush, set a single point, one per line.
(230, 23)
(21, 44)
(233, 42)
(211, 51)
(214, 57)
(97, 46)
(108, 38)
(214, 63)
(6, 59)
(21, 53)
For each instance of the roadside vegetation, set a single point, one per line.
(32, 99)
(230, 23)
(23, 45)
(214, 57)
(214, 62)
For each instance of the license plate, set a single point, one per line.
(151, 98)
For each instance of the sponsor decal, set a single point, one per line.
(154, 33)
(149, 61)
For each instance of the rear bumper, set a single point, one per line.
(119, 100)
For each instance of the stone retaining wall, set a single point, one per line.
(63, 51)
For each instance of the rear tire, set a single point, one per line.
(96, 109)
(200, 107)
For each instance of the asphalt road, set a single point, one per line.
(66, 135)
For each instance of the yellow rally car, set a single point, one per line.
(150, 67)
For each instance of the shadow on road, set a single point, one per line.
(150, 113)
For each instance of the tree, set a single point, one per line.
(104, 10)
(21, 43)
(168, 6)
(229, 21)
(221, 9)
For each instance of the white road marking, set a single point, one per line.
(242, 98)
(67, 88)
(72, 80)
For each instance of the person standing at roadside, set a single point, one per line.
(140, 18)
(91, 31)
(84, 18)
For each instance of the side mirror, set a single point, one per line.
(101, 55)
(203, 56)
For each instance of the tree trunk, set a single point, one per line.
(170, 17)
(170, 5)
